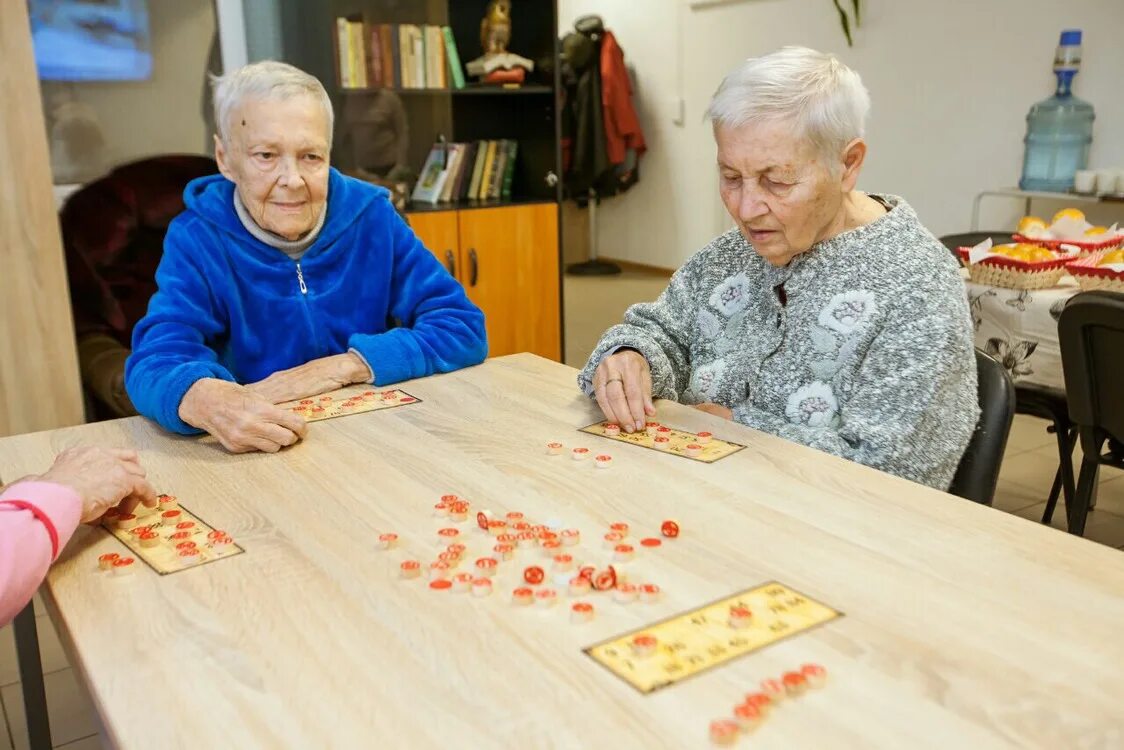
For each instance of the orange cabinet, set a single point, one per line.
(507, 260)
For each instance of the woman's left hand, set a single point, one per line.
(312, 378)
(716, 409)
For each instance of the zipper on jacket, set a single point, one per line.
(300, 279)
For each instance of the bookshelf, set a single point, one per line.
(505, 251)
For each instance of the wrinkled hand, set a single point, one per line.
(622, 384)
(716, 409)
(241, 420)
(103, 478)
(312, 378)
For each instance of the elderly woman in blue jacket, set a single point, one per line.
(283, 279)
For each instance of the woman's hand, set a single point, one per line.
(622, 384)
(312, 378)
(716, 409)
(103, 479)
(241, 420)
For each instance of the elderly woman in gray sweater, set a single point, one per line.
(828, 316)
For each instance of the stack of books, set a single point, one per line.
(401, 56)
(453, 172)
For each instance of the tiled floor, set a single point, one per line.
(1028, 469)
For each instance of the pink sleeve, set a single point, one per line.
(37, 519)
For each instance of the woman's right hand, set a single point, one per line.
(242, 420)
(103, 478)
(622, 384)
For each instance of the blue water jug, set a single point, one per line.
(1059, 129)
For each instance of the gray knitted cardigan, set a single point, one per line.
(871, 358)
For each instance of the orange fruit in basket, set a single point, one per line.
(1030, 224)
(1069, 213)
(1116, 256)
(1095, 231)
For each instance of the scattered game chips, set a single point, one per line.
(581, 612)
(724, 731)
(644, 645)
(124, 566)
(105, 562)
(740, 617)
(670, 529)
(579, 454)
(603, 462)
(534, 575)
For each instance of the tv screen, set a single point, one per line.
(91, 40)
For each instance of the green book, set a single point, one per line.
(454, 59)
(509, 169)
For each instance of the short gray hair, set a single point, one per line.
(265, 80)
(824, 98)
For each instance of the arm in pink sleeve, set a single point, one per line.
(37, 519)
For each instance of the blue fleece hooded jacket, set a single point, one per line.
(229, 306)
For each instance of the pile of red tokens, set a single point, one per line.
(515, 532)
(755, 708)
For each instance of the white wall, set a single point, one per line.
(143, 118)
(950, 81)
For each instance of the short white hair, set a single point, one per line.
(821, 96)
(265, 80)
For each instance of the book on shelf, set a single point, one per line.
(343, 42)
(435, 58)
(464, 173)
(453, 58)
(496, 180)
(374, 56)
(357, 59)
(404, 56)
(509, 169)
(388, 35)
(477, 169)
(453, 172)
(456, 154)
(433, 175)
(486, 174)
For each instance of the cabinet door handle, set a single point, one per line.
(451, 263)
(474, 273)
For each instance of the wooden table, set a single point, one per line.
(964, 626)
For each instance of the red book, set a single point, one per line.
(515, 75)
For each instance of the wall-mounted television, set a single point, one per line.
(91, 40)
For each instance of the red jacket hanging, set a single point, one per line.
(622, 126)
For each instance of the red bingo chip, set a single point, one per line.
(441, 584)
(407, 399)
(534, 575)
(670, 529)
(482, 520)
(650, 542)
(587, 572)
(605, 580)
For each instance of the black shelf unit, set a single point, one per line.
(528, 114)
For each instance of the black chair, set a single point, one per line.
(1091, 332)
(1036, 401)
(978, 472)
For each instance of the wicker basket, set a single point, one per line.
(1084, 247)
(1090, 276)
(997, 270)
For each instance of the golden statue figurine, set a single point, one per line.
(498, 65)
(495, 28)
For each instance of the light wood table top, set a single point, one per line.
(964, 626)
